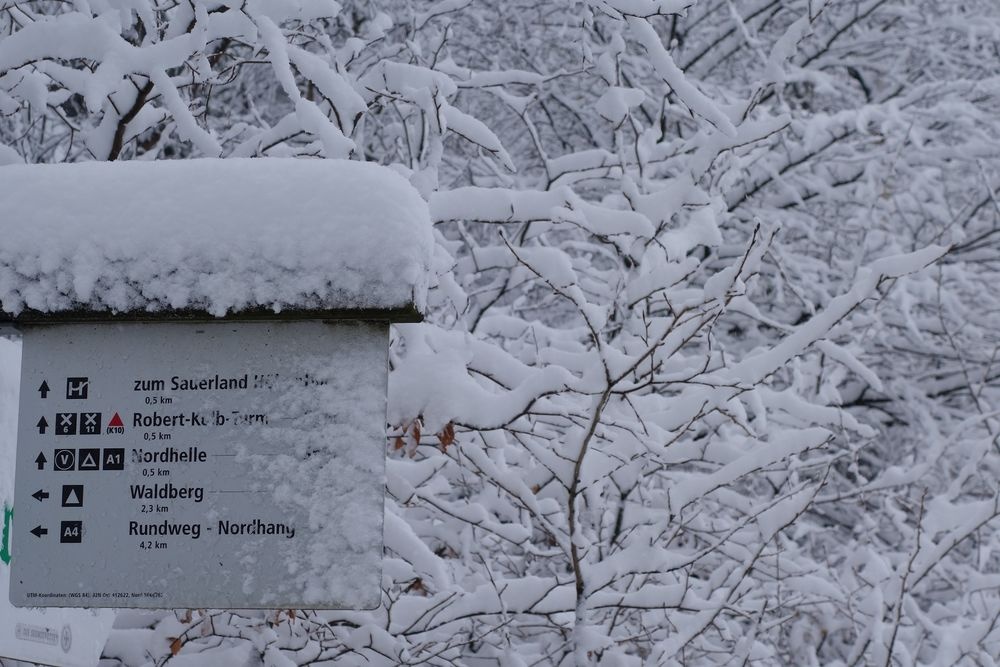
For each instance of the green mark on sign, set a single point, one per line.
(8, 512)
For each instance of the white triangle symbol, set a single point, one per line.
(89, 461)
(72, 498)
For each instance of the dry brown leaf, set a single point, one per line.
(446, 436)
(175, 645)
(417, 586)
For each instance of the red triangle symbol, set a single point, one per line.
(115, 421)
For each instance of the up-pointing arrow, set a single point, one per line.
(40, 460)
(39, 495)
(42, 425)
(38, 531)
(43, 389)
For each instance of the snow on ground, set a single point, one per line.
(213, 235)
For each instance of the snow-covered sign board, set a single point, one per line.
(235, 465)
(203, 379)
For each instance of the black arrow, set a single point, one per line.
(39, 495)
(44, 389)
(38, 531)
(40, 460)
(42, 425)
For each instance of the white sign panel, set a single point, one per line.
(232, 465)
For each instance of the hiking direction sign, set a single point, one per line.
(207, 464)
(202, 404)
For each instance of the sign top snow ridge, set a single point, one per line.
(240, 238)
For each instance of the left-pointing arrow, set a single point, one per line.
(40, 460)
(39, 495)
(38, 531)
(42, 425)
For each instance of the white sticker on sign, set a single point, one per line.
(62, 637)
(181, 465)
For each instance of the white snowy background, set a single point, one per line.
(711, 368)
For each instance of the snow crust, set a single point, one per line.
(214, 235)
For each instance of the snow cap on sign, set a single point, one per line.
(221, 237)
